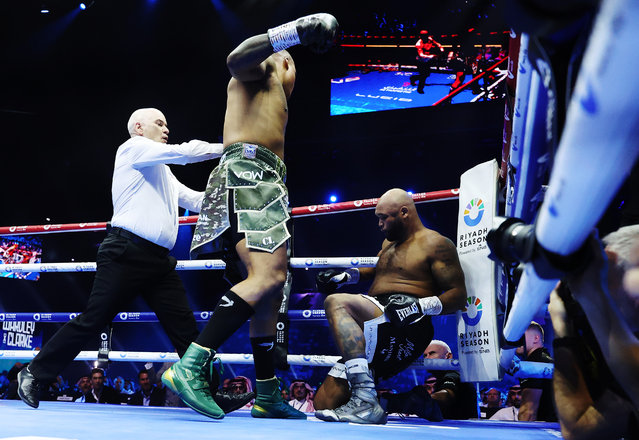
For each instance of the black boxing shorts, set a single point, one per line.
(390, 349)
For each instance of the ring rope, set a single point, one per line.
(296, 263)
(200, 316)
(525, 369)
(302, 211)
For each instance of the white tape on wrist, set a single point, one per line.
(338, 371)
(353, 276)
(349, 276)
(283, 36)
(431, 305)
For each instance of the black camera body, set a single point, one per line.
(514, 241)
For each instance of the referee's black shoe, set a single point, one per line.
(28, 388)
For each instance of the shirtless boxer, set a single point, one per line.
(418, 274)
(245, 211)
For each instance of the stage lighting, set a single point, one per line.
(333, 198)
(83, 6)
(44, 9)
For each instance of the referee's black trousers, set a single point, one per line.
(127, 266)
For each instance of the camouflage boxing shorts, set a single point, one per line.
(253, 177)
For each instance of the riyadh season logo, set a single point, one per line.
(474, 212)
(472, 311)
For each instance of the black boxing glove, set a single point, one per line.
(317, 31)
(328, 281)
(403, 310)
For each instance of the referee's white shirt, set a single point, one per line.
(146, 194)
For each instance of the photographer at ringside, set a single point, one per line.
(597, 395)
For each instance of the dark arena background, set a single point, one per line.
(70, 78)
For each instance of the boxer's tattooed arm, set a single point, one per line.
(449, 276)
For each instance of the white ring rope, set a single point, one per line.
(524, 369)
(296, 263)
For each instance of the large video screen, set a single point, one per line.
(399, 62)
(20, 250)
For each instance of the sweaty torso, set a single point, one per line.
(405, 267)
(256, 112)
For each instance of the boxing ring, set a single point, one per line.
(61, 419)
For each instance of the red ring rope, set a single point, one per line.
(302, 211)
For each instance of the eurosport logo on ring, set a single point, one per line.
(354, 261)
(308, 262)
(123, 316)
(472, 304)
(208, 264)
(163, 355)
(204, 315)
(36, 317)
(306, 314)
(247, 356)
(1, 316)
(72, 315)
(474, 212)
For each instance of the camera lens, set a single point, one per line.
(512, 241)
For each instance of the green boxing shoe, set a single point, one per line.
(187, 378)
(269, 403)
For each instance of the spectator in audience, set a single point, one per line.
(233, 392)
(493, 403)
(118, 386)
(596, 395)
(511, 410)
(536, 394)
(482, 397)
(514, 396)
(429, 383)
(12, 376)
(149, 393)
(170, 398)
(100, 393)
(241, 385)
(128, 386)
(4, 383)
(285, 394)
(56, 389)
(301, 396)
(82, 388)
(450, 399)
